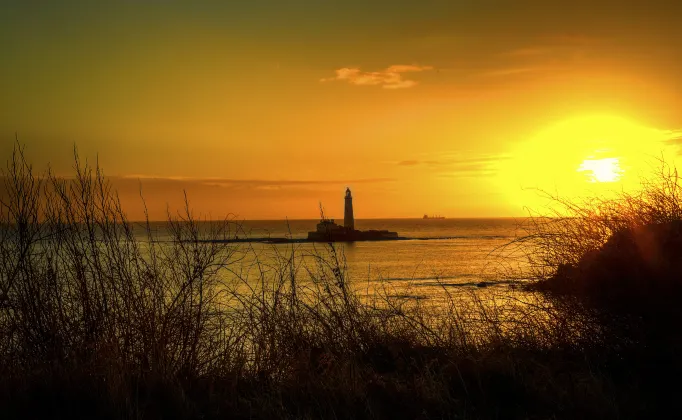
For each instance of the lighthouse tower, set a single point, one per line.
(348, 219)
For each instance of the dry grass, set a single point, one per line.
(569, 229)
(95, 322)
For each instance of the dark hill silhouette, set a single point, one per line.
(637, 267)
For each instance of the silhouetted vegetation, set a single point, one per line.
(619, 260)
(96, 323)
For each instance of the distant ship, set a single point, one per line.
(426, 216)
(328, 231)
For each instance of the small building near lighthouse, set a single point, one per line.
(328, 231)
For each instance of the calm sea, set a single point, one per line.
(452, 252)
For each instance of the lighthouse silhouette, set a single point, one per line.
(348, 219)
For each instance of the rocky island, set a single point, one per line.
(328, 231)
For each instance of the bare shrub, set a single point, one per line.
(569, 229)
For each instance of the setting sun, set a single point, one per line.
(602, 170)
(578, 155)
(340, 209)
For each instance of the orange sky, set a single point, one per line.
(265, 108)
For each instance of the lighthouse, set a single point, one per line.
(328, 231)
(348, 219)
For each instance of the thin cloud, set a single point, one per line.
(424, 162)
(512, 71)
(409, 162)
(527, 52)
(456, 161)
(255, 183)
(674, 137)
(575, 39)
(390, 78)
(458, 166)
(468, 174)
